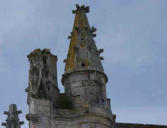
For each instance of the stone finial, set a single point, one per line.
(65, 60)
(93, 35)
(12, 120)
(93, 29)
(81, 8)
(100, 51)
(102, 58)
(69, 37)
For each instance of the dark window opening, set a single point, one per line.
(83, 65)
(48, 88)
(44, 60)
(46, 73)
(41, 91)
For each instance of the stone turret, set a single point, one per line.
(84, 79)
(12, 120)
(84, 76)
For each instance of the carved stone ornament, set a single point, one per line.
(42, 74)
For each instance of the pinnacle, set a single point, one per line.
(12, 117)
(79, 8)
(83, 53)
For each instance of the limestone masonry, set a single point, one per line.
(84, 104)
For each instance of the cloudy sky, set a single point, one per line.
(131, 32)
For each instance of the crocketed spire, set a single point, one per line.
(12, 120)
(83, 53)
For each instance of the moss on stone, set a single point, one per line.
(63, 102)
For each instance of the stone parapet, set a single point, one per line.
(133, 125)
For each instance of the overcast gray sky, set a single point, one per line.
(132, 33)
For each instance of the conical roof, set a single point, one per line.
(82, 53)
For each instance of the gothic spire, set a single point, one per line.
(12, 120)
(83, 53)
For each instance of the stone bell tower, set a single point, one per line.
(84, 103)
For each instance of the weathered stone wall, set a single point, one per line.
(65, 119)
(88, 85)
(81, 121)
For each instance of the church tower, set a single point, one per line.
(84, 104)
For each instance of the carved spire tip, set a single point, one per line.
(81, 8)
